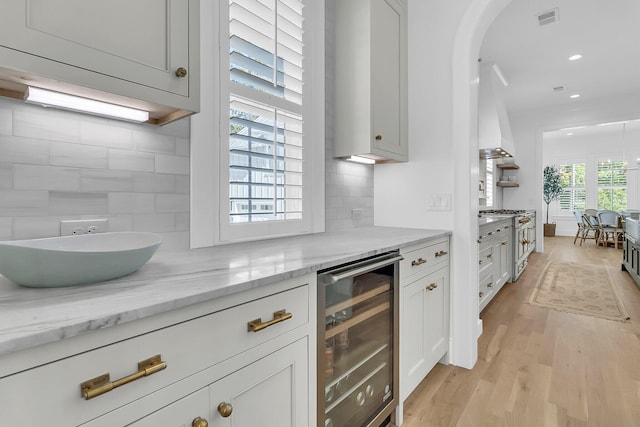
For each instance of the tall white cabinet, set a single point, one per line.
(143, 51)
(371, 79)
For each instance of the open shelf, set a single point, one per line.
(507, 184)
(507, 166)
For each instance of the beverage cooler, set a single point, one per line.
(358, 342)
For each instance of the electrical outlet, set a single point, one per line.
(83, 226)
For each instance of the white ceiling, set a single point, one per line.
(534, 58)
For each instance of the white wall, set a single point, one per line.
(444, 41)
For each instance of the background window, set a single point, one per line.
(612, 185)
(574, 195)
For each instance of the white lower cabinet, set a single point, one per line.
(250, 351)
(425, 318)
(269, 392)
(495, 259)
(424, 313)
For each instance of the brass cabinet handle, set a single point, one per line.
(498, 230)
(504, 243)
(489, 285)
(481, 294)
(418, 261)
(432, 287)
(480, 262)
(225, 409)
(181, 72)
(199, 422)
(279, 316)
(491, 233)
(441, 253)
(523, 220)
(102, 384)
(490, 256)
(378, 137)
(479, 240)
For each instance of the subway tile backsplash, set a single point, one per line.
(57, 165)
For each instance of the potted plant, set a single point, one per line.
(551, 191)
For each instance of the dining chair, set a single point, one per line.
(591, 229)
(580, 232)
(609, 227)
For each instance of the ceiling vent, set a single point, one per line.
(548, 17)
(557, 89)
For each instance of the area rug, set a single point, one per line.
(579, 289)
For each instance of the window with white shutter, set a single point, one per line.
(270, 180)
(573, 180)
(612, 185)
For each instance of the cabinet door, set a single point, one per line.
(425, 327)
(142, 41)
(413, 345)
(271, 392)
(183, 412)
(385, 75)
(501, 261)
(437, 315)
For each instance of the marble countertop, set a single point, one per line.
(493, 218)
(170, 280)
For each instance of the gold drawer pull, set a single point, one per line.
(481, 294)
(489, 285)
(441, 253)
(181, 72)
(432, 287)
(279, 316)
(199, 422)
(102, 384)
(225, 409)
(418, 261)
(504, 243)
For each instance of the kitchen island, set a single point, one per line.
(182, 301)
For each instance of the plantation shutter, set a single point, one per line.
(266, 144)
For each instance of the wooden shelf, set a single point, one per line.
(507, 166)
(507, 184)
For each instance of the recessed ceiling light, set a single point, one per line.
(570, 133)
(575, 57)
(575, 95)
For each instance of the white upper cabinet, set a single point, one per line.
(371, 80)
(141, 53)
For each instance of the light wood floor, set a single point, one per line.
(541, 367)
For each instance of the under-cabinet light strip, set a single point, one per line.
(48, 98)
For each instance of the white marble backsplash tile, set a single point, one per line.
(6, 121)
(58, 165)
(132, 203)
(14, 203)
(78, 155)
(24, 150)
(69, 203)
(131, 160)
(6, 228)
(172, 164)
(36, 177)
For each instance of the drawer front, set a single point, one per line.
(186, 348)
(486, 290)
(419, 261)
(485, 259)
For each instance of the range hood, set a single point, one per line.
(495, 140)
